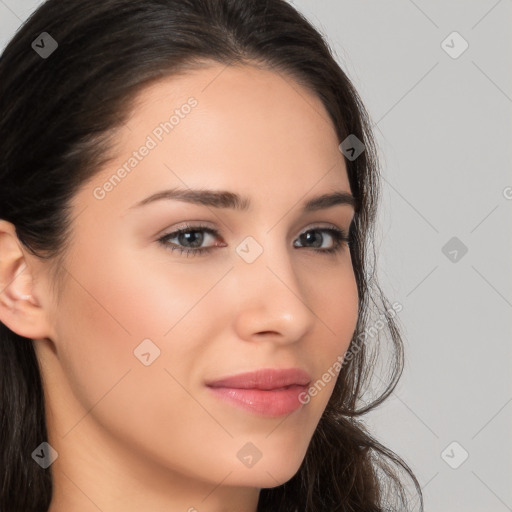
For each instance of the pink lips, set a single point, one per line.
(269, 392)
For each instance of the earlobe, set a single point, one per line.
(20, 311)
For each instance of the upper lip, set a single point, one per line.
(264, 378)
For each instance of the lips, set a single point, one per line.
(264, 392)
(264, 379)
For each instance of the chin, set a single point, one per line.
(268, 475)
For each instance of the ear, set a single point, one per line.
(20, 300)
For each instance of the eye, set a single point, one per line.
(339, 237)
(192, 235)
(189, 239)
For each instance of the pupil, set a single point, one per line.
(313, 234)
(189, 236)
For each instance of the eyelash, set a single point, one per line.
(340, 239)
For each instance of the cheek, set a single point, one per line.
(335, 301)
(102, 321)
(152, 295)
(94, 337)
(118, 307)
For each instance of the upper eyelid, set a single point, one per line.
(216, 232)
(341, 236)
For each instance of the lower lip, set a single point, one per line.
(271, 403)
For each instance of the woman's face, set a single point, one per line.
(140, 329)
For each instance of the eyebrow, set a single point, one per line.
(227, 199)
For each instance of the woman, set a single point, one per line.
(170, 340)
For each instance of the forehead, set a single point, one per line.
(233, 127)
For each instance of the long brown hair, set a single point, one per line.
(57, 115)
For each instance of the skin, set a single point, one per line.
(132, 437)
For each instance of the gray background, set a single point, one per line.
(443, 126)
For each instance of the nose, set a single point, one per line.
(270, 301)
